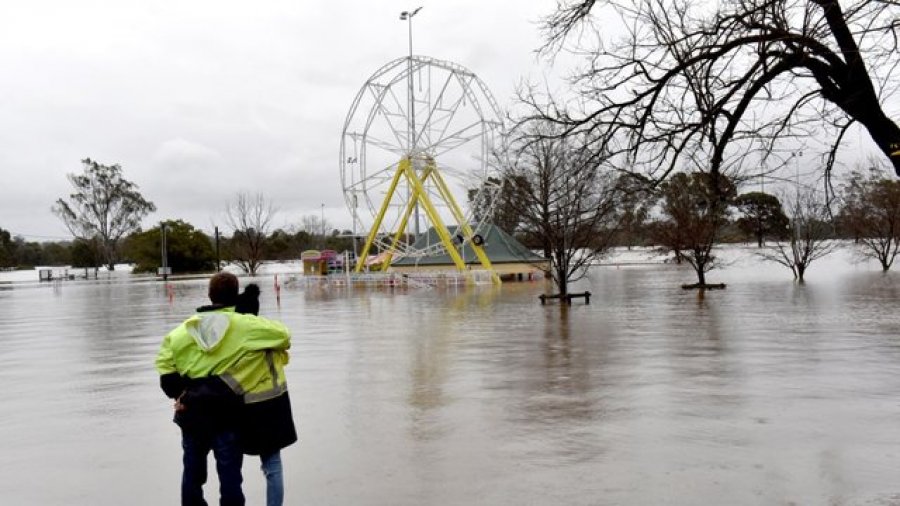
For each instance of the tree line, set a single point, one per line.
(189, 249)
(104, 213)
(559, 199)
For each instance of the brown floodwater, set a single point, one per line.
(768, 392)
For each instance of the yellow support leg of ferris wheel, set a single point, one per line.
(364, 254)
(420, 196)
(466, 228)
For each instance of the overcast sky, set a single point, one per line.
(198, 100)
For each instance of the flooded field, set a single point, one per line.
(766, 393)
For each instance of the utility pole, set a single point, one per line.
(218, 261)
(164, 270)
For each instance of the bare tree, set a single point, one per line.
(693, 214)
(315, 226)
(104, 207)
(565, 201)
(872, 213)
(249, 217)
(719, 82)
(810, 234)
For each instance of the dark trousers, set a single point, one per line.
(229, 459)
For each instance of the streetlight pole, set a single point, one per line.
(164, 270)
(407, 16)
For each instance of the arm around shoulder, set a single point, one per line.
(265, 334)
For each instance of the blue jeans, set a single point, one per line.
(271, 468)
(229, 459)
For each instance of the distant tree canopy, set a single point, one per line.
(761, 216)
(188, 249)
(15, 252)
(705, 85)
(104, 207)
(871, 213)
(695, 210)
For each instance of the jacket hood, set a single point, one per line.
(208, 329)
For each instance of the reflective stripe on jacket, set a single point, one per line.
(258, 375)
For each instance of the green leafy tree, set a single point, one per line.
(28, 254)
(281, 245)
(694, 211)
(104, 206)
(187, 249)
(496, 204)
(761, 216)
(57, 253)
(7, 250)
(85, 253)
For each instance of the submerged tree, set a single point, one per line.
(565, 201)
(810, 234)
(249, 217)
(104, 207)
(694, 210)
(872, 214)
(762, 216)
(767, 70)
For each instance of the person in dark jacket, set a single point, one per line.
(267, 423)
(203, 364)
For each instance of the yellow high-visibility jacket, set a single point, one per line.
(240, 348)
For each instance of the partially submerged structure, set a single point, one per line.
(510, 258)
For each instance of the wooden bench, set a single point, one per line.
(567, 297)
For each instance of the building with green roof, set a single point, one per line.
(509, 257)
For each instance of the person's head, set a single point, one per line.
(223, 289)
(248, 301)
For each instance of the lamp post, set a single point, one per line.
(322, 226)
(407, 16)
(164, 270)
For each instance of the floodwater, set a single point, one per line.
(766, 393)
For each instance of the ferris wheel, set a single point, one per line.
(421, 140)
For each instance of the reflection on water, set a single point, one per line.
(768, 392)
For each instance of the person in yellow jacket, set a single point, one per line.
(204, 364)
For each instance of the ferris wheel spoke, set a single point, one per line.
(458, 138)
(451, 114)
(435, 106)
(388, 115)
(382, 144)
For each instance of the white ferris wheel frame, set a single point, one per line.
(362, 185)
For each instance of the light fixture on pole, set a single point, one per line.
(407, 16)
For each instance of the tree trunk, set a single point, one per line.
(886, 135)
(701, 276)
(854, 91)
(563, 285)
